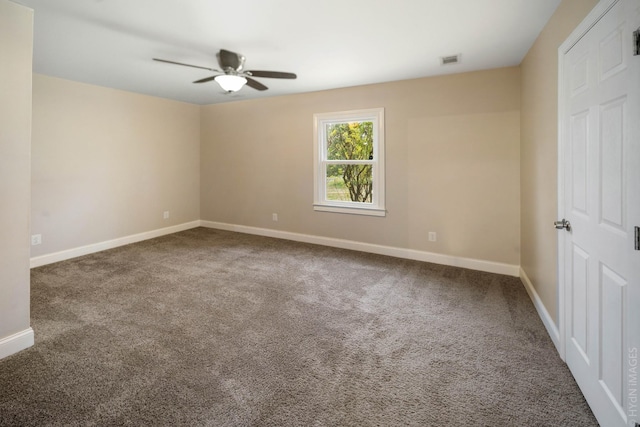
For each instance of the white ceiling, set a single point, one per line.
(327, 43)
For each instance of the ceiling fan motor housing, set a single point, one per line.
(230, 60)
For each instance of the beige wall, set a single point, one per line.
(452, 158)
(16, 42)
(107, 163)
(539, 144)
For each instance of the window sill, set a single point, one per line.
(350, 210)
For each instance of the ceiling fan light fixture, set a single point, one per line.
(230, 83)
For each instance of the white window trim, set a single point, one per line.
(377, 207)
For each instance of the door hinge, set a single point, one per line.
(637, 238)
(636, 42)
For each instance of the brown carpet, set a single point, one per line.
(207, 327)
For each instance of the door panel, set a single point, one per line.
(612, 333)
(579, 139)
(580, 301)
(611, 52)
(612, 195)
(600, 196)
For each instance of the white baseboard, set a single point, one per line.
(474, 264)
(548, 322)
(109, 244)
(16, 342)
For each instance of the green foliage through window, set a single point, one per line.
(351, 141)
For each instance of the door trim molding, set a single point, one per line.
(589, 22)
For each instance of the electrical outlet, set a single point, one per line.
(36, 239)
(433, 236)
(165, 215)
(274, 217)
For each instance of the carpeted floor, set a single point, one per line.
(207, 327)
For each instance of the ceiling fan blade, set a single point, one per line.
(271, 74)
(206, 79)
(255, 84)
(186, 65)
(228, 59)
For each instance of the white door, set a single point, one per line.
(600, 196)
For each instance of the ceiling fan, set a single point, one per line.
(233, 75)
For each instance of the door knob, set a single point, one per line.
(562, 224)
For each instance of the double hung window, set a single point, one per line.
(349, 162)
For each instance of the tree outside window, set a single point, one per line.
(350, 141)
(349, 162)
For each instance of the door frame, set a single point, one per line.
(589, 22)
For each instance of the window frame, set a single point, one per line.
(321, 203)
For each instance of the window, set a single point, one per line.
(349, 162)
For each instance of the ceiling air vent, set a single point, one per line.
(453, 59)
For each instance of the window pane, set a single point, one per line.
(349, 183)
(349, 141)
